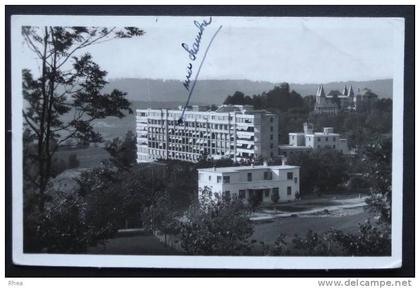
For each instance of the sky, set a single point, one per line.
(275, 49)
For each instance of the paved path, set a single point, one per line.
(338, 207)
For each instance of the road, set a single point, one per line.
(269, 231)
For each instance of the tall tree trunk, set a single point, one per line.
(41, 148)
(48, 150)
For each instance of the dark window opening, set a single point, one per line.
(249, 176)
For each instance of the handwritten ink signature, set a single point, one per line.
(192, 54)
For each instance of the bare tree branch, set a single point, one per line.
(30, 124)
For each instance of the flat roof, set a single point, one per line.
(326, 134)
(294, 147)
(244, 168)
(296, 133)
(219, 111)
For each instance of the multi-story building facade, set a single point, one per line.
(232, 131)
(309, 140)
(244, 182)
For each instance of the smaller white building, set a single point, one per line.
(309, 140)
(263, 182)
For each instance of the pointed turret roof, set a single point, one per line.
(320, 92)
(345, 90)
(351, 92)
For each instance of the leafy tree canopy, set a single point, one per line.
(69, 83)
(222, 227)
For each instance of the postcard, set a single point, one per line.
(231, 142)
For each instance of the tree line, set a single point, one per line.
(359, 127)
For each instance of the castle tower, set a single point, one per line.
(345, 90)
(351, 92)
(320, 92)
(320, 95)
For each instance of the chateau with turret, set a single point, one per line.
(347, 100)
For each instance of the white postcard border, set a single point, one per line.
(224, 262)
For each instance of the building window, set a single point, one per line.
(326, 139)
(226, 179)
(319, 139)
(219, 179)
(210, 178)
(242, 194)
(226, 195)
(249, 177)
(289, 175)
(271, 128)
(266, 192)
(295, 179)
(271, 137)
(289, 190)
(268, 175)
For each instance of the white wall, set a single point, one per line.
(239, 181)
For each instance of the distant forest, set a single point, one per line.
(208, 92)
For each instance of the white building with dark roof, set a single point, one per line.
(264, 182)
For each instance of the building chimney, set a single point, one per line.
(214, 168)
(283, 161)
(308, 128)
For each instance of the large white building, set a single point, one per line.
(244, 182)
(309, 140)
(232, 131)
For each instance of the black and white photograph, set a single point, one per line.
(207, 141)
